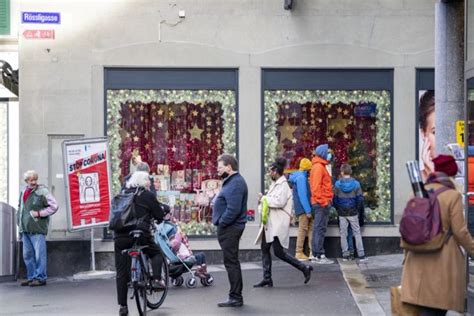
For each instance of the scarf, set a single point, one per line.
(441, 178)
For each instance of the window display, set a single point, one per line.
(355, 124)
(180, 134)
(4, 152)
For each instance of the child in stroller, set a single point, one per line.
(175, 246)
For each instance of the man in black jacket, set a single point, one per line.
(230, 216)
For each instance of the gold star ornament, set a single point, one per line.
(195, 132)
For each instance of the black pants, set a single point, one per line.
(229, 239)
(428, 311)
(279, 252)
(123, 262)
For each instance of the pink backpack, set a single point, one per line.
(420, 227)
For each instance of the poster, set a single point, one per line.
(88, 196)
(426, 131)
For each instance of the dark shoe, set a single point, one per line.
(38, 283)
(307, 273)
(231, 302)
(158, 284)
(264, 282)
(26, 283)
(123, 311)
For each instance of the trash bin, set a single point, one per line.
(7, 242)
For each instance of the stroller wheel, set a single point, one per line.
(178, 281)
(191, 283)
(208, 280)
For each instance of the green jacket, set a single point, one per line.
(39, 200)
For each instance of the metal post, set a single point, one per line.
(92, 250)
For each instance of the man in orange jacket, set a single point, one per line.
(320, 183)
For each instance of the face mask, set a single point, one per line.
(224, 175)
(329, 157)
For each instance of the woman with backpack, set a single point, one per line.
(275, 228)
(436, 281)
(147, 209)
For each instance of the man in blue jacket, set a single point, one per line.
(302, 206)
(230, 216)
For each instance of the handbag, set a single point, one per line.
(401, 308)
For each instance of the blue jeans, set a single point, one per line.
(34, 255)
(350, 240)
(321, 218)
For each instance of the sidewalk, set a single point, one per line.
(370, 282)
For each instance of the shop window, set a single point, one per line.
(355, 124)
(180, 134)
(3, 152)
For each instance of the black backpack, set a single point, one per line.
(122, 212)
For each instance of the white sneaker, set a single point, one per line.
(312, 258)
(323, 260)
(363, 259)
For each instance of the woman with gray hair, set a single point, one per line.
(147, 209)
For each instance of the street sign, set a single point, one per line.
(38, 34)
(460, 133)
(41, 17)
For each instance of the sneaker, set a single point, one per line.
(312, 258)
(301, 257)
(348, 258)
(26, 283)
(38, 282)
(363, 259)
(323, 260)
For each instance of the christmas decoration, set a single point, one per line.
(185, 130)
(337, 118)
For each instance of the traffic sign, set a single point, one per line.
(38, 34)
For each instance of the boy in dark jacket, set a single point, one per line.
(348, 200)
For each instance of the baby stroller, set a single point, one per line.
(180, 257)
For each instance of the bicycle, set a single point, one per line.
(141, 277)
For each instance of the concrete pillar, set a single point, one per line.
(449, 70)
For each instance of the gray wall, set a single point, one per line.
(62, 80)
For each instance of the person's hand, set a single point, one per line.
(426, 157)
(260, 195)
(309, 216)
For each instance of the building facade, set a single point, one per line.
(180, 82)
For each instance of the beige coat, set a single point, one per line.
(280, 202)
(438, 279)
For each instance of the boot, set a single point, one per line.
(307, 273)
(264, 282)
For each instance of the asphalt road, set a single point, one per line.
(325, 294)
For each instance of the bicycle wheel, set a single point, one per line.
(156, 297)
(139, 289)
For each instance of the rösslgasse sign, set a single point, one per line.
(86, 164)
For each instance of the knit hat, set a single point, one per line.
(446, 164)
(305, 164)
(322, 151)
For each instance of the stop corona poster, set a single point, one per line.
(87, 180)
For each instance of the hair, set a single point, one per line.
(346, 169)
(427, 106)
(227, 160)
(138, 179)
(30, 174)
(279, 165)
(142, 166)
